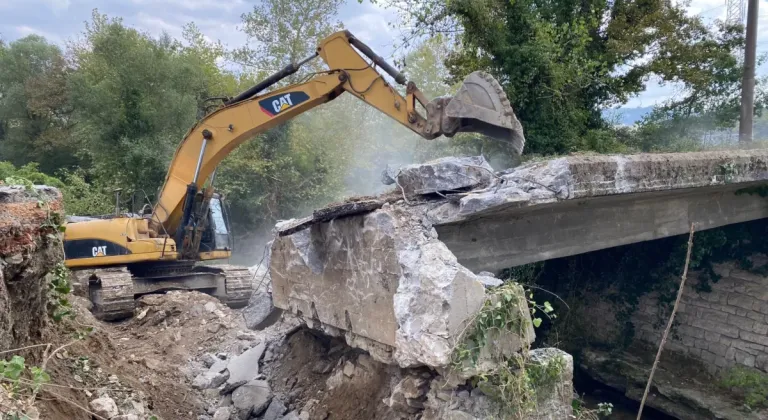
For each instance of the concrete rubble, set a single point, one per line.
(450, 174)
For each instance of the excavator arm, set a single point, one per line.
(480, 106)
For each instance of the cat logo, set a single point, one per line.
(279, 103)
(99, 251)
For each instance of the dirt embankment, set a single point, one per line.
(29, 248)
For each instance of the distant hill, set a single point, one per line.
(626, 116)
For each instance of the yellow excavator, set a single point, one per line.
(119, 257)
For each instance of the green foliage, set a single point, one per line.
(750, 384)
(82, 197)
(30, 172)
(134, 98)
(18, 379)
(12, 369)
(35, 114)
(502, 313)
(516, 383)
(562, 62)
(59, 289)
(581, 412)
(281, 32)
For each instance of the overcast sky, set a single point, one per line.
(60, 20)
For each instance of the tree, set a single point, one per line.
(281, 32)
(135, 98)
(35, 112)
(562, 62)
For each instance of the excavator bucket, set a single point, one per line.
(481, 106)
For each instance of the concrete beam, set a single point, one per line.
(527, 235)
(580, 204)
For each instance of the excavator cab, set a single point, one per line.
(217, 238)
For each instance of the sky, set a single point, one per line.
(62, 20)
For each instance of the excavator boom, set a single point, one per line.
(480, 106)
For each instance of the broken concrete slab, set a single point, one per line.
(383, 281)
(443, 175)
(245, 367)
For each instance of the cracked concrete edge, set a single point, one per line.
(586, 176)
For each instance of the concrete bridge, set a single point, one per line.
(579, 204)
(401, 274)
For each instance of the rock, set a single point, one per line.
(222, 413)
(489, 281)
(556, 395)
(105, 407)
(247, 336)
(130, 417)
(245, 367)
(275, 410)
(252, 398)
(211, 307)
(260, 312)
(335, 380)
(152, 364)
(349, 369)
(32, 414)
(210, 380)
(218, 366)
(417, 278)
(208, 359)
(225, 401)
(291, 416)
(444, 175)
(222, 355)
(322, 367)
(389, 173)
(213, 328)
(366, 362)
(229, 387)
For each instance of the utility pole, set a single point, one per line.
(748, 80)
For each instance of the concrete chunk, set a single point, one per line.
(448, 174)
(393, 288)
(245, 367)
(252, 398)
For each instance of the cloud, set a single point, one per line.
(157, 25)
(194, 5)
(58, 5)
(372, 24)
(24, 30)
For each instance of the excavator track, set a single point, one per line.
(111, 291)
(237, 284)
